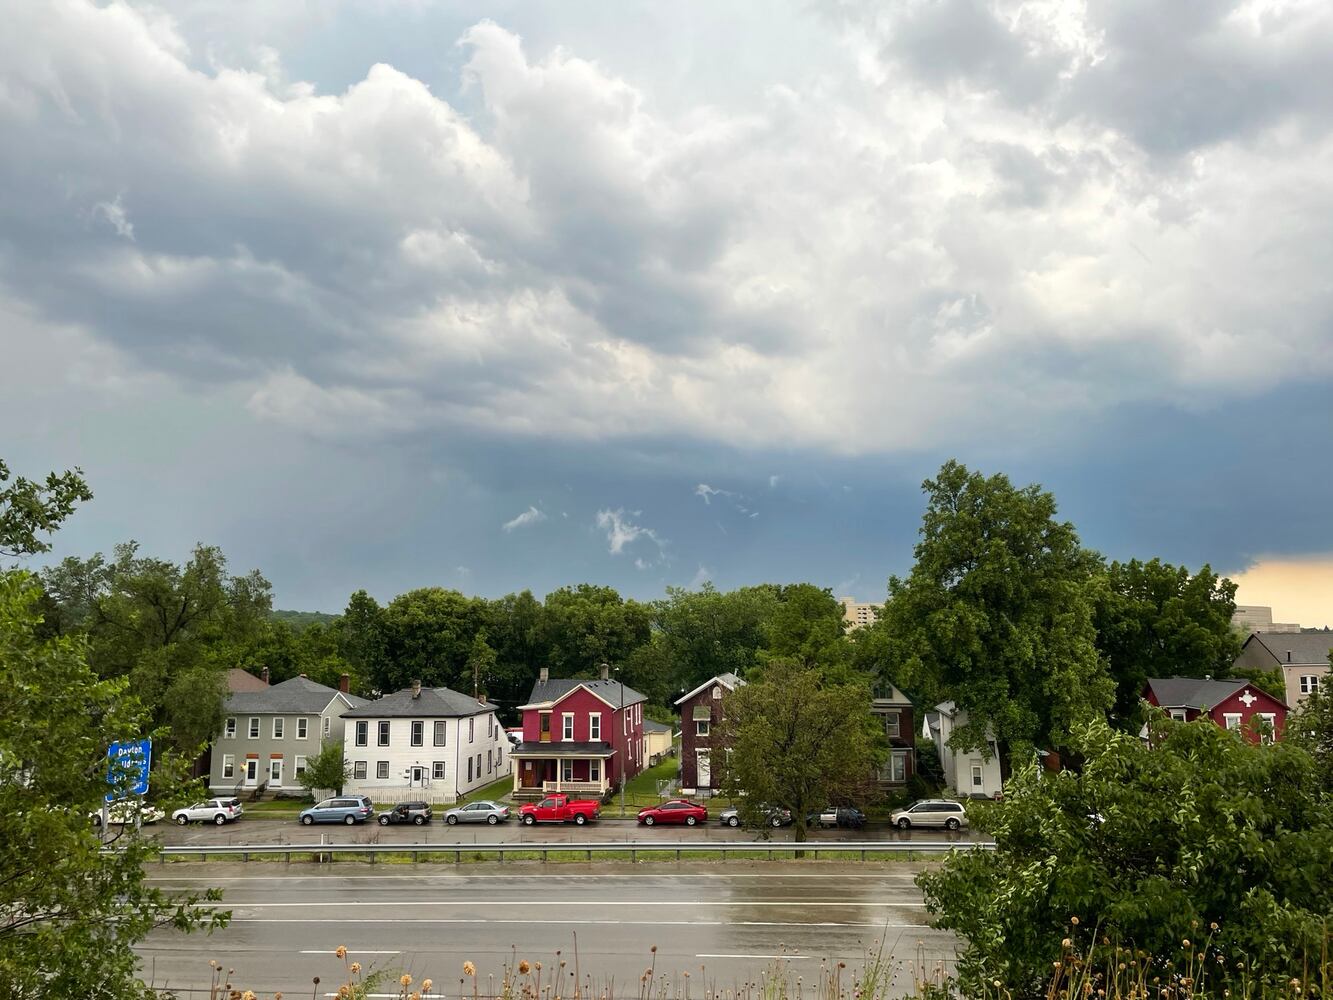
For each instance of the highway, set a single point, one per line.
(722, 924)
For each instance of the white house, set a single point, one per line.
(432, 744)
(967, 772)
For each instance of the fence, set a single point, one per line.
(327, 852)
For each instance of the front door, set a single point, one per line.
(703, 767)
(418, 775)
(545, 734)
(531, 779)
(275, 772)
(251, 770)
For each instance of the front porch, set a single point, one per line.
(576, 770)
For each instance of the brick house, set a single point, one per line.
(897, 721)
(700, 714)
(579, 736)
(1232, 704)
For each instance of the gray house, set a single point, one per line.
(1303, 658)
(268, 735)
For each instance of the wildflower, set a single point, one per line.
(1186, 943)
(468, 969)
(523, 967)
(278, 995)
(249, 995)
(653, 949)
(1213, 926)
(1066, 943)
(426, 984)
(356, 967)
(1074, 921)
(405, 980)
(340, 951)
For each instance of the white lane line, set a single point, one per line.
(610, 923)
(655, 904)
(789, 958)
(350, 951)
(529, 876)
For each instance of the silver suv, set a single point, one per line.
(943, 813)
(215, 811)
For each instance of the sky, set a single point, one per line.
(523, 294)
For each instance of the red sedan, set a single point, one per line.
(675, 811)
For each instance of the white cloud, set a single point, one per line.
(707, 493)
(621, 532)
(530, 516)
(114, 213)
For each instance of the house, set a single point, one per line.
(894, 713)
(700, 714)
(424, 743)
(580, 736)
(1233, 704)
(970, 773)
(658, 740)
(268, 734)
(1302, 657)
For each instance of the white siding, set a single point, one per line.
(402, 758)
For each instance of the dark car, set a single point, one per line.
(844, 816)
(407, 812)
(772, 816)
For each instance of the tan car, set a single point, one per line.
(944, 814)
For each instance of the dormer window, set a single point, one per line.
(717, 692)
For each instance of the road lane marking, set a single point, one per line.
(610, 923)
(788, 958)
(527, 876)
(398, 903)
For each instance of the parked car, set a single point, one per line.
(943, 813)
(674, 811)
(215, 811)
(407, 812)
(478, 812)
(773, 816)
(846, 816)
(125, 811)
(347, 809)
(560, 809)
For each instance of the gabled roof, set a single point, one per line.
(546, 693)
(1197, 692)
(433, 703)
(297, 696)
(649, 726)
(729, 681)
(1308, 648)
(892, 698)
(243, 680)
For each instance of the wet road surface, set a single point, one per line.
(725, 924)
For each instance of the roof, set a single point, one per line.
(243, 680)
(1304, 647)
(649, 726)
(729, 681)
(557, 748)
(1194, 692)
(297, 696)
(432, 704)
(548, 692)
(893, 697)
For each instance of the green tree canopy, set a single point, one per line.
(1310, 727)
(996, 613)
(427, 636)
(798, 741)
(587, 625)
(1150, 846)
(30, 509)
(326, 770)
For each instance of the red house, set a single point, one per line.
(1232, 704)
(579, 736)
(700, 713)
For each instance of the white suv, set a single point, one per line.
(216, 811)
(930, 812)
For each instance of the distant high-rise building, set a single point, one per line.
(1259, 618)
(857, 614)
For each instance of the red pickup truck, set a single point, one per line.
(560, 809)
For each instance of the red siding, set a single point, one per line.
(582, 704)
(1261, 704)
(690, 743)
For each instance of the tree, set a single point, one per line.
(1158, 620)
(805, 624)
(697, 635)
(799, 742)
(326, 769)
(29, 509)
(586, 625)
(1310, 727)
(996, 614)
(1148, 846)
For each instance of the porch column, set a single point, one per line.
(557, 775)
(516, 771)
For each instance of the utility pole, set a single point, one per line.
(624, 735)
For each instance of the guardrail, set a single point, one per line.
(326, 852)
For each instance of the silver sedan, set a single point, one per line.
(478, 812)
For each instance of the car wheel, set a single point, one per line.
(775, 821)
(451, 820)
(492, 820)
(529, 820)
(384, 820)
(307, 820)
(418, 820)
(690, 821)
(648, 821)
(904, 824)
(349, 820)
(734, 821)
(182, 820)
(580, 819)
(951, 824)
(218, 820)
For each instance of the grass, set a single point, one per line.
(495, 790)
(276, 807)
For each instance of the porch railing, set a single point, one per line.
(575, 787)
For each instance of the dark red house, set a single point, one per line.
(1233, 704)
(700, 713)
(579, 736)
(897, 719)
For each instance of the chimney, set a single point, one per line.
(606, 671)
(1288, 656)
(263, 675)
(345, 683)
(544, 674)
(416, 689)
(303, 675)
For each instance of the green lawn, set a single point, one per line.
(641, 790)
(496, 790)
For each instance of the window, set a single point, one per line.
(1309, 683)
(717, 692)
(251, 769)
(892, 725)
(383, 734)
(471, 728)
(1178, 714)
(490, 760)
(302, 728)
(976, 776)
(362, 733)
(898, 766)
(279, 727)
(567, 727)
(228, 766)
(701, 727)
(594, 770)
(328, 725)
(490, 727)
(478, 763)
(418, 733)
(229, 732)
(595, 726)
(469, 769)
(253, 731)
(1232, 720)
(437, 770)
(1267, 727)
(381, 768)
(440, 733)
(359, 770)
(566, 770)
(300, 767)
(545, 725)
(499, 758)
